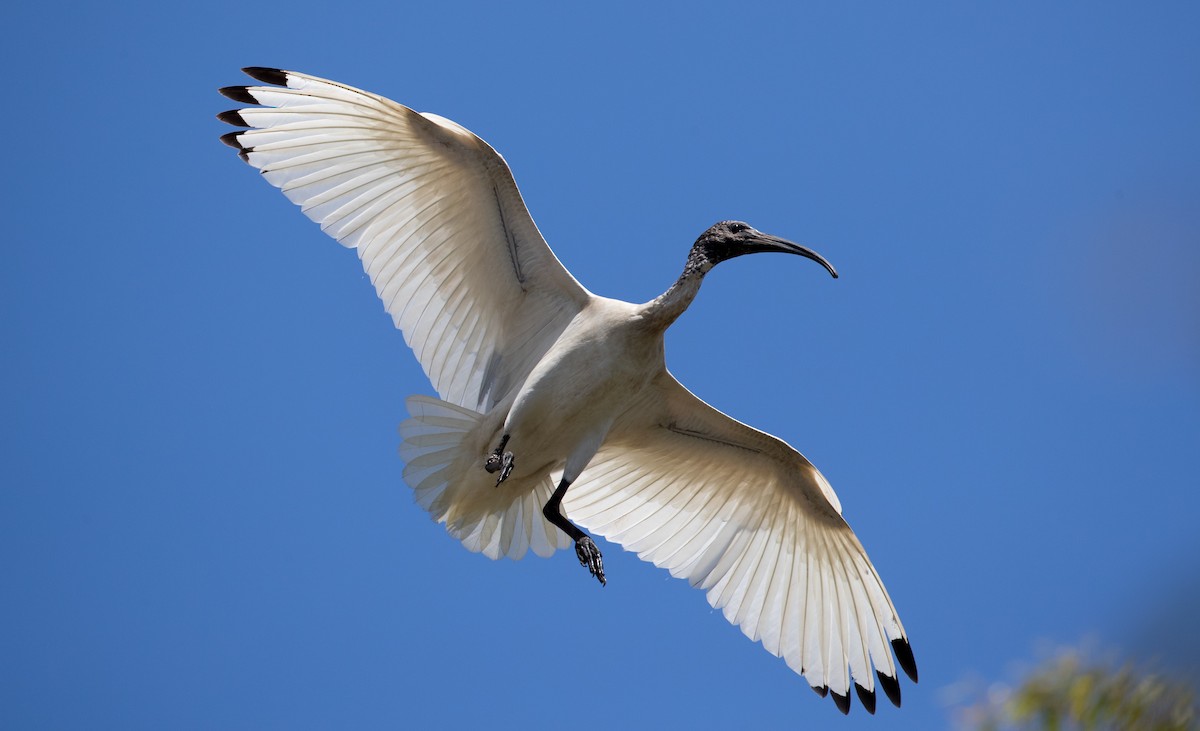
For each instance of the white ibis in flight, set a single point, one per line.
(557, 412)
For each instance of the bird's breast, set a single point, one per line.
(595, 371)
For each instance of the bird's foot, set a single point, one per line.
(502, 463)
(589, 556)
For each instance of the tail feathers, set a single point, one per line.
(519, 528)
(432, 443)
(445, 469)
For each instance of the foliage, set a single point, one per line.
(1070, 693)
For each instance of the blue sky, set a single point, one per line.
(203, 522)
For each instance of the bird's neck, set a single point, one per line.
(668, 306)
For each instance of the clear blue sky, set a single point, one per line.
(202, 517)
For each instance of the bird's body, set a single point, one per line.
(580, 375)
(575, 376)
(557, 410)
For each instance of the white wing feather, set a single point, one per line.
(435, 217)
(746, 518)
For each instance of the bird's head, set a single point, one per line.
(728, 239)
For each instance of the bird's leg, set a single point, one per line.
(500, 461)
(585, 547)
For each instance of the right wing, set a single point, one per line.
(746, 518)
(434, 215)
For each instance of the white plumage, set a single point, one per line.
(571, 386)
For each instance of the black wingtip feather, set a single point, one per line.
(866, 697)
(278, 77)
(231, 139)
(238, 94)
(891, 687)
(904, 656)
(233, 117)
(821, 690)
(842, 702)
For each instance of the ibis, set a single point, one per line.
(557, 414)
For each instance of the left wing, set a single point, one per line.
(746, 518)
(435, 216)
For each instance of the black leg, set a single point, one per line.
(500, 461)
(585, 548)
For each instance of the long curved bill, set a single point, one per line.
(762, 242)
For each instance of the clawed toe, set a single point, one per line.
(506, 467)
(590, 557)
(502, 463)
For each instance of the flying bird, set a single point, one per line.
(557, 412)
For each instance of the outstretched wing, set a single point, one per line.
(434, 215)
(746, 518)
